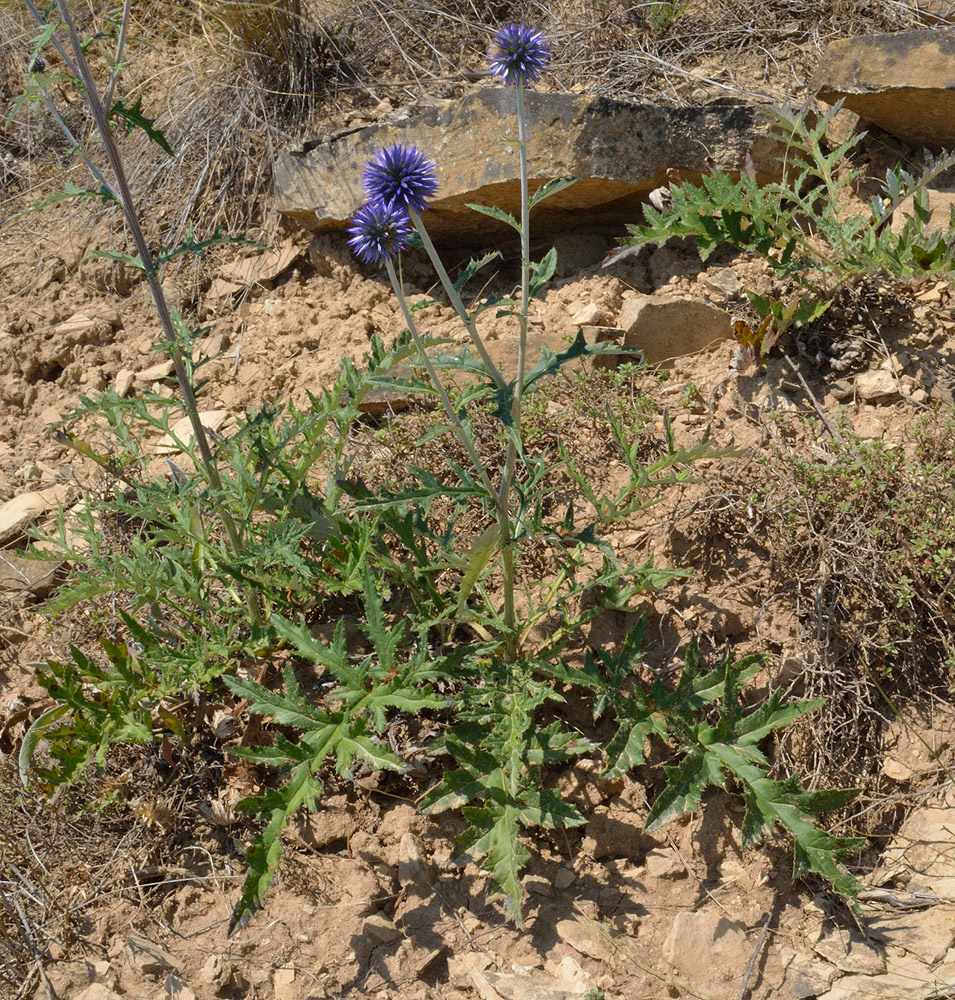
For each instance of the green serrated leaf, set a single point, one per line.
(480, 552)
(133, 117)
(550, 188)
(493, 212)
(301, 789)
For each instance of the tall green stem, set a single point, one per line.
(514, 438)
(497, 497)
(455, 296)
(459, 429)
(124, 196)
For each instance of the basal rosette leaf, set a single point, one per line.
(494, 839)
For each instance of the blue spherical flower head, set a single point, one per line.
(379, 232)
(401, 176)
(519, 54)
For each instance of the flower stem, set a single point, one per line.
(497, 497)
(455, 296)
(459, 429)
(514, 444)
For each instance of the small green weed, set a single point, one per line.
(801, 226)
(663, 14)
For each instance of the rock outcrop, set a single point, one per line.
(904, 82)
(619, 152)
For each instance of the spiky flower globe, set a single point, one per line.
(402, 176)
(379, 232)
(518, 54)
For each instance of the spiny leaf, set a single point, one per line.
(281, 804)
(494, 839)
(496, 213)
(134, 118)
(550, 188)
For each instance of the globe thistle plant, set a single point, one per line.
(402, 176)
(518, 54)
(379, 232)
(399, 182)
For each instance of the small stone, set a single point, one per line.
(586, 939)
(215, 971)
(19, 574)
(176, 989)
(722, 281)
(101, 969)
(808, 977)
(147, 957)
(895, 769)
(282, 982)
(123, 383)
(493, 985)
(23, 510)
(155, 373)
(872, 386)
(569, 973)
(927, 934)
(211, 420)
(702, 942)
(564, 877)
(412, 869)
(589, 315)
(259, 977)
(97, 991)
(666, 327)
(460, 967)
(76, 326)
(381, 928)
(538, 885)
(664, 863)
(850, 951)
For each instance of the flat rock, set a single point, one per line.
(941, 204)
(704, 945)
(903, 81)
(924, 849)
(283, 984)
(906, 979)
(849, 951)
(156, 372)
(926, 934)
(181, 430)
(381, 928)
(258, 270)
(587, 939)
(808, 977)
(412, 868)
(21, 511)
(123, 383)
(620, 152)
(97, 991)
(666, 327)
(873, 386)
(501, 986)
(19, 574)
(147, 957)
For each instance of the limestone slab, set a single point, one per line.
(902, 81)
(702, 945)
(619, 151)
